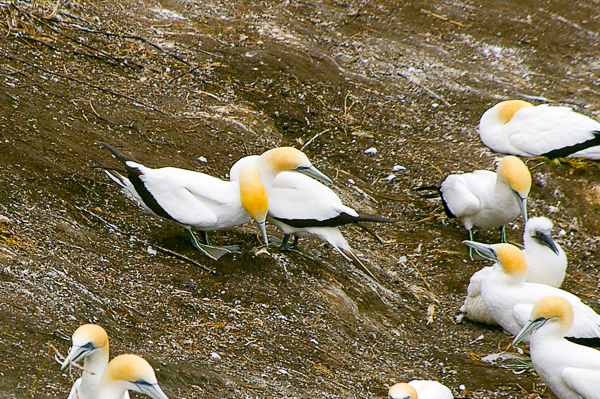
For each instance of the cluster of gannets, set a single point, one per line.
(546, 264)
(304, 207)
(201, 202)
(519, 128)
(508, 298)
(570, 370)
(101, 379)
(420, 389)
(487, 199)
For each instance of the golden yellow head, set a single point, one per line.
(510, 258)
(506, 109)
(285, 158)
(252, 193)
(129, 368)
(516, 174)
(402, 390)
(90, 333)
(553, 307)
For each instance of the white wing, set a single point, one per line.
(459, 197)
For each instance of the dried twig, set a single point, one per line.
(313, 138)
(39, 374)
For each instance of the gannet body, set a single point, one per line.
(420, 389)
(570, 370)
(519, 128)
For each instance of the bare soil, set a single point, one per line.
(174, 81)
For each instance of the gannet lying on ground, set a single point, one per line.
(487, 199)
(90, 343)
(546, 264)
(303, 207)
(509, 299)
(129, 372)
(205, 203)
(519, 128)
(420, 389)
(571, 371)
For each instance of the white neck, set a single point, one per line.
(95, 363)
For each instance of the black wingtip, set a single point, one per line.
(121, 156)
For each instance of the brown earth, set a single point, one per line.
(174, 81)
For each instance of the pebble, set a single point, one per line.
(371, 150)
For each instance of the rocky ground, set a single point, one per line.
(197, 85)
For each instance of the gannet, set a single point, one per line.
(205, 203)
(90, 343)
(420, 389)
(519, 128)
(486, 199)
(509, 299)
(571, 371)
(303, 207)
(129, 372)
(546, 264)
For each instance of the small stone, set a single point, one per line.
(371, 150)
(398, 168)
(215, 356)
(151, 250)
(202, 159)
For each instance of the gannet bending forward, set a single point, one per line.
(205, 203)
(129, 372)
(303, 207)
(420, 389)
(509, 299)
(486, 199)
(90, 343)
(519, 128)
(546, 264)
(571, 371)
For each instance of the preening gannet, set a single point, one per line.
(420, 389)
(487, 199)
(546, 264)
(129, 372)
(519, 128)
(303, 207)
(509, 299)
(571, 371)
(90, 343)
(205, 203)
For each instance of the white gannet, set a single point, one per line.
(129, 372)
(420, 389)
(205, 203)
(519, 128)
(486, 199)
(509, 299)
(90, 343)
(546, 264)
(303, 207)
(571, 371)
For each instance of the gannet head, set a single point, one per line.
(254, 196)
(509, 257)
(87, 339)
(551, 310)
(131, 372)
(402, 390)
(540, 230)
(505, 110)
(290, 159)
(517, 176)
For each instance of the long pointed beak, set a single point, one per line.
(528, 329)
(152, 390)
(314, 172)
(522, 205)
(484, 250)
(547, 241)
(263, 230)
(77, 353)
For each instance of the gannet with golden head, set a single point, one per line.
(129, 372)
(90, 343)
(508, 298)
(205, 203)
(546, 264)
(420, 389)
(570, 370)
(303, 207)
(519, 128)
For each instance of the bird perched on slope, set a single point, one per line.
(509, 299)
(129, 372)
(571, 371)
(303, 207)
(90, 343)
(420, 389)
(486, 199)
(546, 264)
(205, 203)
(520, 128)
